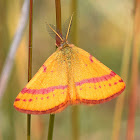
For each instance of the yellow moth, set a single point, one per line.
(69, 76)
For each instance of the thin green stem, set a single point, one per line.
(75, 109)
(30, 64)
(58, 41)
(28, 126)
(51, 126)
(75, 123)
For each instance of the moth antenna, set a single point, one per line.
(55, 32)
(69, 27)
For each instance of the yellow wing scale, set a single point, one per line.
(69, 76)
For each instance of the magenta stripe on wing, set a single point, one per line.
(90, 58)
(44, 68)
(43, 90)
(96, 79)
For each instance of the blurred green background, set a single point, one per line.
(103, 30)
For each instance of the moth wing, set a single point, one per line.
(95, 83)
(47, 91)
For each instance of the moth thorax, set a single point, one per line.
(63, 43)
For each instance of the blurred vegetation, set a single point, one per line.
(102, 31)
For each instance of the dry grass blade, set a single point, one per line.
(13, 48)
(135, 55)
(124, 74)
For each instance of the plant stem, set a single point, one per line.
(58, 29)
(8, 65)
(135, 55)
(74, 28)
(30, 63)
(51, 126)
(75, 109)
(58, 20)
(124, 74)
(28, 126)
(75, 124)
